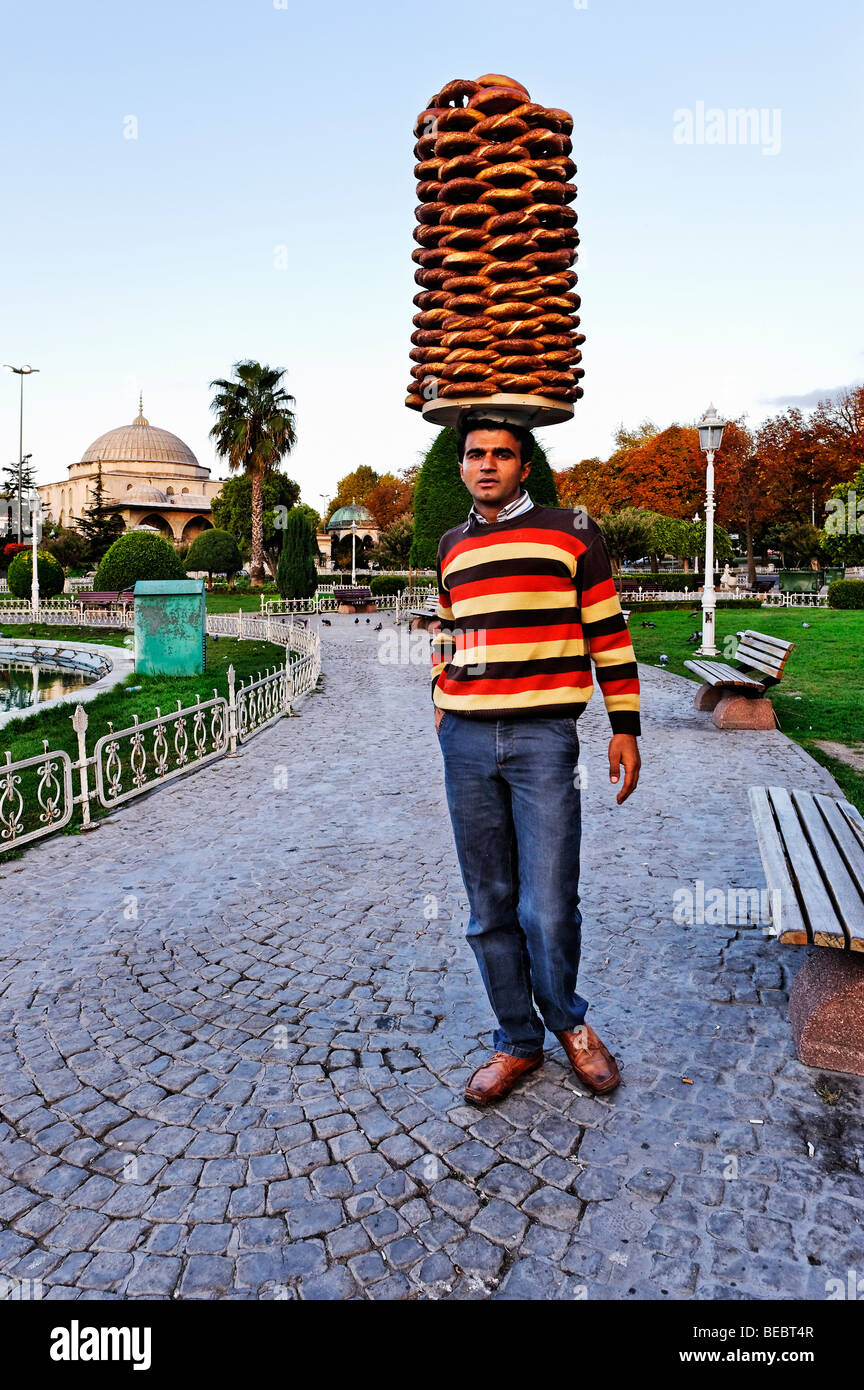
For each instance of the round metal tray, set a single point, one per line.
(531, 411)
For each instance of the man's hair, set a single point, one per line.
(469, 423)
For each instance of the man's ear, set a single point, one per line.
(526, 469)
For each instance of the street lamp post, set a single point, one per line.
(21, 372)
(710, 437)
(353, 550)
(35, 519)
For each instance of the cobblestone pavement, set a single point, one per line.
(234, 1035)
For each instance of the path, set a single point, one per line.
(234, 1033)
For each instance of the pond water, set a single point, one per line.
(23, 684)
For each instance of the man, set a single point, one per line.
(526, 602)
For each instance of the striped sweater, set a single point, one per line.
(525, 606)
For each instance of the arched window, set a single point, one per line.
(184, 491)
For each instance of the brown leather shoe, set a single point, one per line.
(497, 1077)
(591, 1060)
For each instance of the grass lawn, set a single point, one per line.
(23, 737)
(821, 695)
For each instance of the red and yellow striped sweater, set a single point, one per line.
(525, 606)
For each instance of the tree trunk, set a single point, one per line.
(751, 558)
(256, 568)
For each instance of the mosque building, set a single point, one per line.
(149, 477)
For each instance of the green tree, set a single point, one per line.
(627, 534)
(843, 535)
(354, 487)
(255, 429)
(296, 575)
(441, 499)
(393, 550)
(668, 536)
(49, 570)
(69, 547)
(9, 491)
(138, 555)
(216, 552)
(99, 526)
(802, 541)
(232, 511)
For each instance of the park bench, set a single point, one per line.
(812, 849)
(734, 693)
(106, 598)
(357, 599)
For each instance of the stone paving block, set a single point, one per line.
(553, 1208)
(501, 1223)
(314, 1219)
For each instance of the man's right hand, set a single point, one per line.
(439, 715)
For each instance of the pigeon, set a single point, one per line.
(645, 623)
(368, 620)
(805, 624)
(325, 622)
(695, 637)
(215, 636)
(377, 627)
(694, 614)
(664, 660)
(356, 620)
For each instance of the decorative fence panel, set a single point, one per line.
(127, 762)
(39, 810)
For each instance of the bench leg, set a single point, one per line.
(826, 1011)
(706, 697)
(743, 712)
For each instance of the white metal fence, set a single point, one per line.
(38, 796)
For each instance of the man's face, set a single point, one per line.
(492, 469)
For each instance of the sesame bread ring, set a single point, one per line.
(497, 79)
(464, 214)
(468, 337)
(430, 257)
(506, 223)
(461, 166)
(509, 174)
(431, 299)
(495, 101)
(466, 284)
(427, 122)
(516, 366)
(466, 371)
(518, 328)
(553, 260)
(541, 143)
(425, 147)
(428, 190)
(497, 152)
(512, 270)
(513, 309)
(502, 127)
(467, 304)
(430, 279)
(556, 284)
(560, 379)
(458, 118)
(457, 92)
(462, 238)
(558, 361)
(556, 303)
(533, 115)
(450, 142)
(559, 169)
(511, 248)
(552, 238)
(464, 262)
(513, 289)
(550, 214)
(431, 169)
(425, 355)
(557, 342)
(469, 354)
(430, 213)
(557, 323)
(414, 402)
(519, 347)
(469, 388)
(426, 234)
(430, 318)
(426, 337)
(506, 199)
(541, 190)
(464, 323)
(463, 191)
(564, 119)
(520, 385)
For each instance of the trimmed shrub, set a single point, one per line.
(843, 593)
(49, 570)
(388, 584)
(216, 552)
(137, 555)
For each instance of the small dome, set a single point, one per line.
(151, 496)
(343, 516)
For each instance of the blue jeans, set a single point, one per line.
(513, 794)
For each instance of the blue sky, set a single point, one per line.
(273, 135)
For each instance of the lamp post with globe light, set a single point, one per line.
(710, 437)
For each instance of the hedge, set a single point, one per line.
(49, 570)
(670, 581)
(387, 584)
(675, 605)
(845, 593)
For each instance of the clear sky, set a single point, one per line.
(265, 209)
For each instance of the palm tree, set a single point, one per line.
(255, 429)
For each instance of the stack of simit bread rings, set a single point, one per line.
(497, 237)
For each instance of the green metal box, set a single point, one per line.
(170, 617)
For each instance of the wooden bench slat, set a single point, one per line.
(715, 673)
(764, 639)
(854, 817)
(755, 656)
(851, 850)
(792, 927)
(840, 886)
(824, 924)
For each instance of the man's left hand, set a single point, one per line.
(624, 752)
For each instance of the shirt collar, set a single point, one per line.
(520, 504)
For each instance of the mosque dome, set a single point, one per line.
(343, 516)
(151, 496)
(139, 442)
